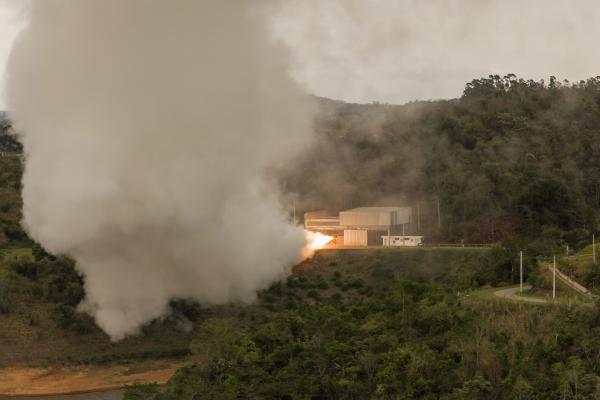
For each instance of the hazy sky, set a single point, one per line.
(399, 50)
(10, 23)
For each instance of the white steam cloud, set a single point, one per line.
(148, 126)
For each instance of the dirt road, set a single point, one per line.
(511, 293)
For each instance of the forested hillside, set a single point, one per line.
(511, 157)
(391, 324)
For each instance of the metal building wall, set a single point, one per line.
(359, 218)
(403, 215)
(375, 217)
(355, 237)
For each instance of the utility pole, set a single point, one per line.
(554, 279)
(594, 247)
(439, 214)
(419, 217)
(521, 275)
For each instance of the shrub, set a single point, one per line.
(67, 317)
(13, 231)
(142, 391)
(337, 297)
(187, 308)
(313, 294)
(366, 290)
(60, 281)
(39, 253)
(25, 267)
(356, 283)
(323, 285)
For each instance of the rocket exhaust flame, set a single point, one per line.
(314, 242)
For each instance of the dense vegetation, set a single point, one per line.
(510, 157)
(375, 326)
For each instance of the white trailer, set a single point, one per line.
(401, 241)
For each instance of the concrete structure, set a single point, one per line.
(401, 241)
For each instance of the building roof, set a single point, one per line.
(374, 209)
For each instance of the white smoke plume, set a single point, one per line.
(147, 126)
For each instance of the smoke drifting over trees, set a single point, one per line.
(510, 158)
(147, 126)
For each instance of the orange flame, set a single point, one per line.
(314, 242)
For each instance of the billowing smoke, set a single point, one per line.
(148, 126)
